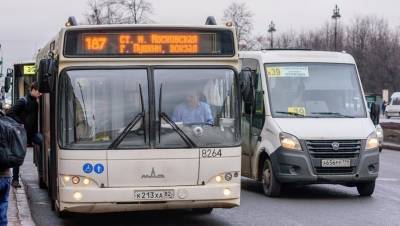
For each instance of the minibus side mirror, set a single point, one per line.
(45, 72)
(7, 84)
(247, 85)
(374, 113)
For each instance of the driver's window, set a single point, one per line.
(200, 102)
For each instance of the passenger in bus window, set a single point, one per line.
(193, 110)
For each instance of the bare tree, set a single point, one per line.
(241, 17)
(118, 11)
(137, 11)
(103, 12)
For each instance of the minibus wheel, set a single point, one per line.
(202, 210)
(366, 189)
(271, 186)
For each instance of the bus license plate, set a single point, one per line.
(335, 163)
(154, 195)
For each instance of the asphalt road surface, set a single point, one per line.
(303, 205)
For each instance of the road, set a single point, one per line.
(305, 205)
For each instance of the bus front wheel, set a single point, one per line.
(271, 186)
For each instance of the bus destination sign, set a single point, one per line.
(149, 43)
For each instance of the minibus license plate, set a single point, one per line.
(154, 195)
(335, 163)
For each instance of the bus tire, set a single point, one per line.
(202, 210)
(60, 214)
(271, 186)
(366, 189)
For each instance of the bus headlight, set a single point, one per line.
(218, 179)
(227, 192)
(86, 181)
(66, 179)
(75, 180)
(78, 196)
(289, 142)
(372, 141)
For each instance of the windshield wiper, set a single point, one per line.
(132, 123)
(334, 114)
(83, 100)
(163, 115)
(290, 113)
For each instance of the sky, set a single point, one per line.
(26, 25)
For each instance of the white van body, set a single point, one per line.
(327, 137)
(393, 109)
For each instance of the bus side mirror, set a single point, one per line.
(45, 71)
(374, 113)
(247, 85)
(7, 84)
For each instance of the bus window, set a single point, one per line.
(201, 102)
(101, 103)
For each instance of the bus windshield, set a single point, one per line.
(320, 90)
(109, 109)
(201, 103)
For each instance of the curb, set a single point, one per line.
(391, 146)
(24, 212)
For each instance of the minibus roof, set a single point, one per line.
(298, 56)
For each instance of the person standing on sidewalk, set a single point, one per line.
(5, 178)
(25, 111)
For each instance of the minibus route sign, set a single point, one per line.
(120, 43)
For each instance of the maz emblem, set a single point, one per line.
(152, 175)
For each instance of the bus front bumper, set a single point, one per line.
(98, 200)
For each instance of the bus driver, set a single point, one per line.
(193, 111)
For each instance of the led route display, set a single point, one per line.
(150, 43)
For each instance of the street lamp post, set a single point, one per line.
(1, 62)
(336, 16)
(271, 30)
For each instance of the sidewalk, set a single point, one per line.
(19, 213)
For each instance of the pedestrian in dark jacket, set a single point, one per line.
(5, 179)
(25, 111)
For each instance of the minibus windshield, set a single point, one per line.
(314, 90)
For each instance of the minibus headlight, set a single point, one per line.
(289, 142)
(379, 132)
(372, 141)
